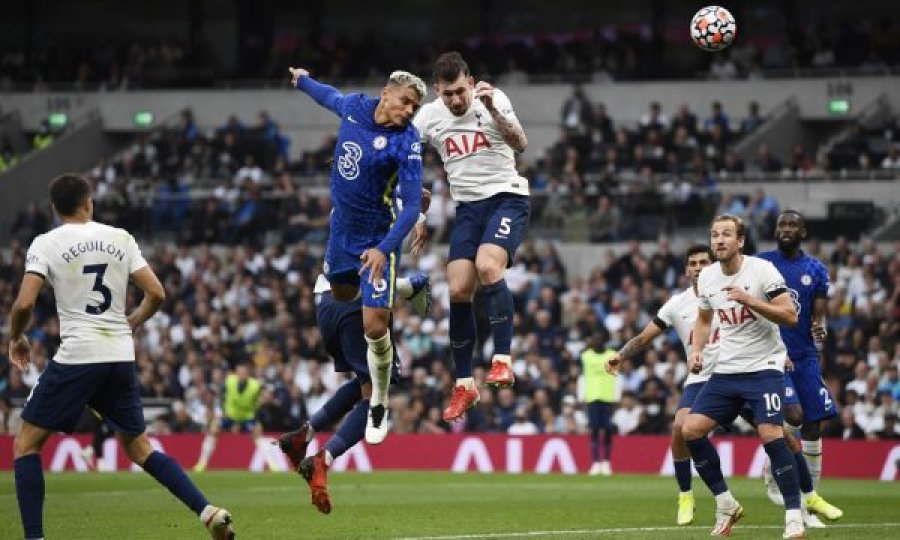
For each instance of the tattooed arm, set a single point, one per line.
(636, 344)
(510, 130)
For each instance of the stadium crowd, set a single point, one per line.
(228, 305)
(614, 51)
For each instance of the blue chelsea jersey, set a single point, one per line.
(370, 162)
(807, 279)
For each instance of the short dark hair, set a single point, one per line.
(699, 248)
(740, 226)
(449, 66)
(795, 213)
(68, 191)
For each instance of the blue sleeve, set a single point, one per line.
(324, 95)
(824, 280)
(409, 173)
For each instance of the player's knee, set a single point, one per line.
(375, 322)
(489, 270)
(375, 330)
(770, 432)
(460, 292)
(22, 446)
(793, 415)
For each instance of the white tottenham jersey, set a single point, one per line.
(478, 162)
(88, 266)
(748, 342)
(680, 313)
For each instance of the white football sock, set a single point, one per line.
(207, 513)
(207, 448)
(505, 358)
(725, 500)
(812, 451)
(379, 356)
(467, 382)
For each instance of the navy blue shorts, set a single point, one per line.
(600, 414)
(723, 397)
(341, 326)
(689, 395)
(63, 390)
(804, 386)
(246, 426)
(342, 267)
(500, 220)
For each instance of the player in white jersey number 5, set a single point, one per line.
(88, 265)
(476, 132)
(749, 298)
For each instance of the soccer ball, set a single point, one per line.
(713, 28)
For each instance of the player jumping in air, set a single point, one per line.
(807, 400)
(377, 151)
(341, 325)
(476, 132)
(749, 298)
(89, 264)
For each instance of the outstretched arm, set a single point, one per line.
(635, 345)
(324, 95)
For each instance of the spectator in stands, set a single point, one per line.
(685, 119)
(717, 117)
(604, 223)
(654, 119)
(577, 113)
(29, 222)
(765, 161)
(602, 127)
(753, 119)
(722, 68)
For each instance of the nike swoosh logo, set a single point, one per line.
(771, 414)
(379, 295)
(351, 119)
(500, 236)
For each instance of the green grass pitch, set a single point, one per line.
(429, 505)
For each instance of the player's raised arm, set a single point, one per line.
(500, 109)
(326, 96)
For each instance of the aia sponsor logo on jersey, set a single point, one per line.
(465, 144)
(735, 316)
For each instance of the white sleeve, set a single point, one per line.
(37, 261)
(772, 280)
(137, 259)
(665, 313)
(420, 122)
(703, 300)
(504, 105)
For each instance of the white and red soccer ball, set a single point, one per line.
(713, 28)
